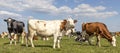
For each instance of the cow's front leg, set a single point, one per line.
(15, 38)
(58, 41)
(11, 41)
(55, 40)
(54, 45)
(98, 41)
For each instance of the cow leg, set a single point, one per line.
(11, 41)
(23, 37)
(98, 40)
(11, 38)
(15, 38)
(89, 41)
(87, 37)
(47, 38)
(26, 40)
(18, 38)
(31, 38)
(58, 41)
(55, 40)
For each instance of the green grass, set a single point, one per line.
(68, 45)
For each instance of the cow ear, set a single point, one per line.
(5, 20)
(75, 21)
(65, 21)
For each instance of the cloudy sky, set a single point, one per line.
(105, 11)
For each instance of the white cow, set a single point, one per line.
(49, 28)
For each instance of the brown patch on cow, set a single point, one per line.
(44, 25)
(75, 21)
(62, 26)
(37, 21)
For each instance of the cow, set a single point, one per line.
(14, 27)
(4, 34)
(99, 30)
(47, 28)
(117, 34)
(78, 37)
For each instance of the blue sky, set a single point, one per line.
(105, 11)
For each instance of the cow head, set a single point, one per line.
(9, 22)
(113, 41)
(70, 23)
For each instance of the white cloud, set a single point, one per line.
(9, 13)
(47, 6)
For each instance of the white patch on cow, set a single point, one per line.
(113, 41)
(9, 19)
(70, 23)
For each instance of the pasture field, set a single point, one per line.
(68, 45)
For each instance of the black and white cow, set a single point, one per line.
(80, 37)
(15, 29)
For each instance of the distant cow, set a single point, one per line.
(70, 32)
(15, 27)
(4, 34)
(49, 28)
(100, 30)
(80, 37)
(117, 34)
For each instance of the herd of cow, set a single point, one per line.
(56, 28)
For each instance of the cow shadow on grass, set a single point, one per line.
(38, 45)
(93, 45)
(6, 43)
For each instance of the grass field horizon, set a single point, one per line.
(68, 45)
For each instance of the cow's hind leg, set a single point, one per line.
(23, 37)
(30, 37)
(26, 40)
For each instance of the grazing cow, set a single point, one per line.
(53, 28)
(100, 30)
(4, 34)
(15, 27)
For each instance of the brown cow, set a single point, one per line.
(100, 30)
(117, 34)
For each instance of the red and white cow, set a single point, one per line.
(99, 30)
(49, 28)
